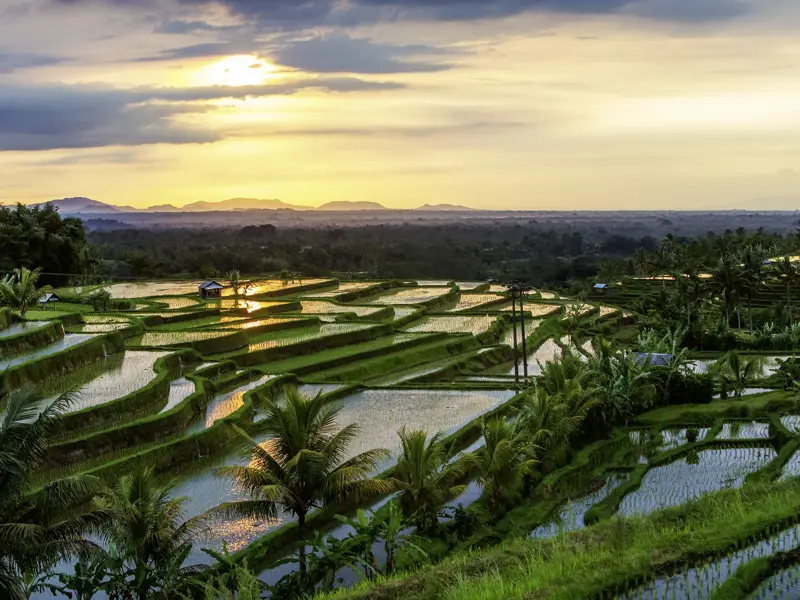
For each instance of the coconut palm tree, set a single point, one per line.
(425, 478)
(36, 530)
(505, 460)
(737, 372)
(145, 525)
(729, 279)
(692, 293)
(305, 464)
(19, 290)
(786, 271)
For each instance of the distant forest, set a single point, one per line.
(538, 252)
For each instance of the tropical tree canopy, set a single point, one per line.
(19, 290)
(36, 530)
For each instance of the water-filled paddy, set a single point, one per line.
(242, 304)
(546, 353)
(179, 303)
(152, 288)
(471, 324)
(783, 585)
(288, 337)
(694, 476)
(381, 413)
(121, 376)
(743, 431)
(23, 327)
(675, 438)
(571, 516)
(226, 404)
(701, 581)
(344, 288)
(68, 341)
(417, 295)
(179, 390)
(476, 301)
(263, 286)
(321, 307)
(173, 338)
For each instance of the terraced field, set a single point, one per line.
(437, 372)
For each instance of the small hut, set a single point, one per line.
(600, 287)
(210, 289)
(49, 298)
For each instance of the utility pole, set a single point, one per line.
(514, 325)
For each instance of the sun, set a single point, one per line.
(241, 69)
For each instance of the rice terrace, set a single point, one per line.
(293, 437)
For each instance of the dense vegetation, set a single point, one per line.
(647, 394)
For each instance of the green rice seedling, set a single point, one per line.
(455, 324)
(320, 307)
(693, 476)
(418, 295)
(548, 295)
(383, 412)
(152, 288)
(475, 302)
(782, 585)
(159, 338)
(791, 422)
(344, 288)
(180, 303)
(254, 323)
(675, 438)
(100, 319)
(791, 468)
(702, 580)
(744, 431)
(571, 516)
(264, 286)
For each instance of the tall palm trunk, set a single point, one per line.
(750, 310)
(789, 300)
(301, 524)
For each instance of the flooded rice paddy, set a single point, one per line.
(702, 581)
(68, 341)
(693, 476)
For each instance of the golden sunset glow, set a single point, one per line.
(236, 70)
(505, 105)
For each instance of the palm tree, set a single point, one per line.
(37, 530)
(692, 292)
(305, 465)
(786, 271)
(505, 460)
(736, 372)
(752, 259)
(424, 477)
(730, 280)
(146, 527)
(19, 290)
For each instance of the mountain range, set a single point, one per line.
(87, 206)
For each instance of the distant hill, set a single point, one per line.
(87, 206)
(241, 204)
(345, 205)
(84, 206)
(444, 207)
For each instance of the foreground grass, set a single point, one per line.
(611, 556)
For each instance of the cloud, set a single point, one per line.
(340, 53)
(10, 62)
(73, 116)
(306, 14)
(187, 27)
(206, 50)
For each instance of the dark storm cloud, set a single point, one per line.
(10, 61)
(340, 53)
(303, 14)
(73, 116)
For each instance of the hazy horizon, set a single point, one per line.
(497, 104)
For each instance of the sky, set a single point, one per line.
(503, 104)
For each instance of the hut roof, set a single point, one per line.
(655, 359)
(210, 284)
(49, 297)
